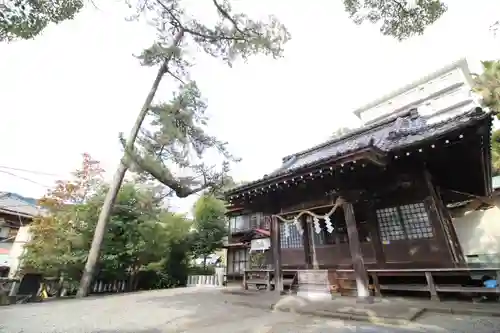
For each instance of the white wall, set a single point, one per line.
(438, 98)
(23, 236)
(479, 233)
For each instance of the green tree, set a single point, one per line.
(141, 233)
(495, 152)
(210, 226)
(26, 19)
(177, 137)
(487, 85)
(55, 244)
(397, 18)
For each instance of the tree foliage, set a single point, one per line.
(397, 18)
(56, 239)
(210, 226)
(495, 152)
(487, 85)
(26, 19)
(172, 148)
(140, 232)
(176, 138)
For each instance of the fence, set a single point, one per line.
(116, 286)
(202, 280)
(215, 280)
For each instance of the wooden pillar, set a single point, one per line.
(276, 246)
(306, 240)
(314, 257)
(356, 255)
(445, 225)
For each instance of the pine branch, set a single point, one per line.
(165, 176)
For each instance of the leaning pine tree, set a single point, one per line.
(177, 126)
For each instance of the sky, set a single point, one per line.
(76, 86)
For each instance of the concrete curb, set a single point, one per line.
(335, 315)
(353, 317)
(421, 310)
(467, 312)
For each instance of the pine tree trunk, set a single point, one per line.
(110, 199)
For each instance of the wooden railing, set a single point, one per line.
(430, 285)
(264, 278)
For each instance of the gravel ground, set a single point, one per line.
(195, 311)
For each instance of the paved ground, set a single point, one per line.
(194, 310)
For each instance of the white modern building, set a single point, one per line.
(440, 95)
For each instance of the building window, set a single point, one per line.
(238, 261)
(292, 239)
(237, 223)
(389, 223)
(416, 221)
(404, 222)
(255, 220)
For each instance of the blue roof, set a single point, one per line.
(17, 204)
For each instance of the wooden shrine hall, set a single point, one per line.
(369, 208)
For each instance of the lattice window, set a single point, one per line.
(404, 222)
(389, 223)
(239, 260)
(416, 221)
(293, 239)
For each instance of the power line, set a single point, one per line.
(24, 178)
(29, 171)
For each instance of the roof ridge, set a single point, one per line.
(365, 129)
(361, 130)
(365, 134)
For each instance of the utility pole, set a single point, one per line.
(109, 201)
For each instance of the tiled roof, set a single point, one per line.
(16, 204)
(393, 134)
